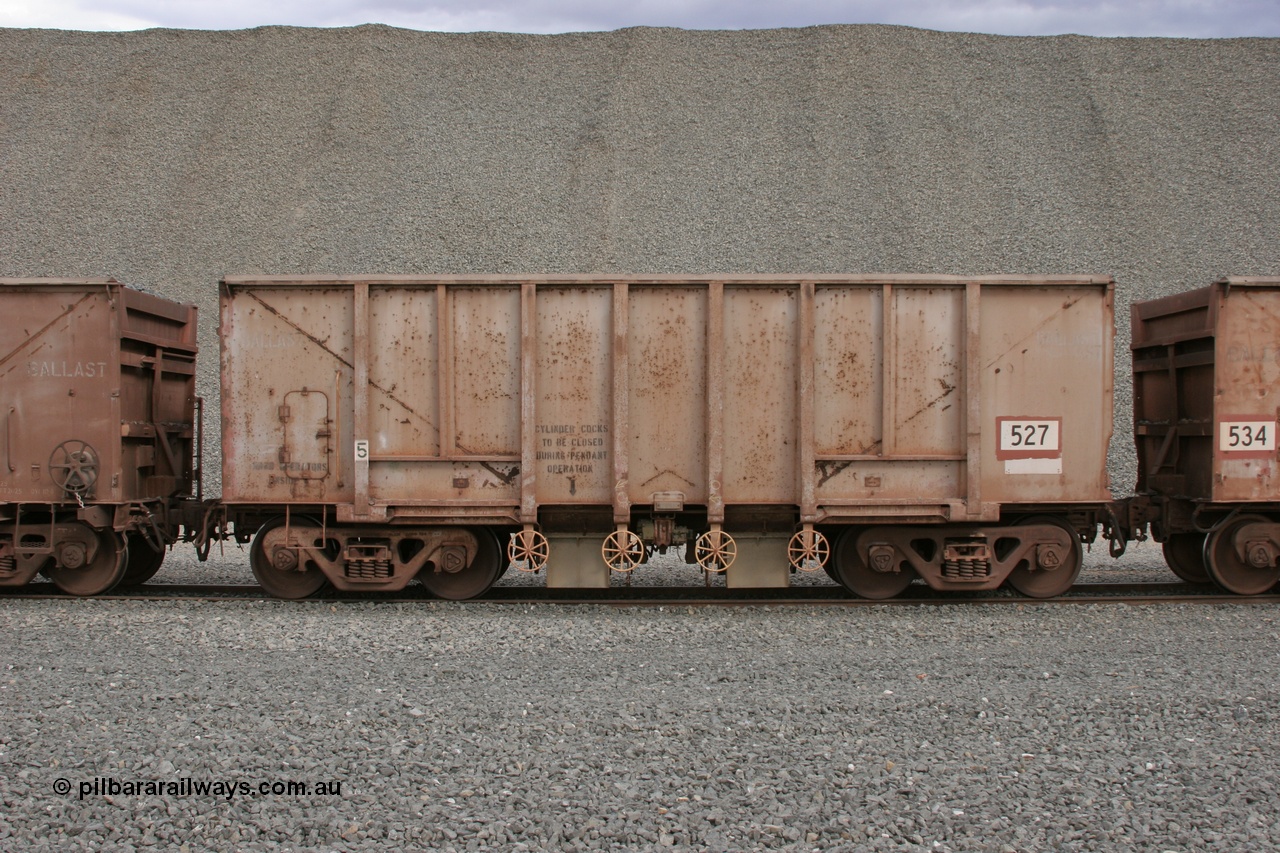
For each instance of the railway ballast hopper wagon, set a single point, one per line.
(377, 429)
(98, 400)
(1206, 378)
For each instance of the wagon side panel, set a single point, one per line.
(849, 371)
(287, 391)
(927, 372)
(888, 399)
(1046, 377)
(667, 381)
(404, 372)
(485, 356)
(59, 393)
(574, 426)
(761, 353)
(1246, 393)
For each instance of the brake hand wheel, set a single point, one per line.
(528, 551)
(73, 465)
(622, 551)
(715, 551)
(808, 551)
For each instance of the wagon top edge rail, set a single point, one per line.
(45, 281)
(671, 280)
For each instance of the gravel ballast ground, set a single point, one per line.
(484, 726)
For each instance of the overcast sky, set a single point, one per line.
(1182, 18)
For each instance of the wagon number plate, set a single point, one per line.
(1247, 436)
(1030, 438)
(1030, 445)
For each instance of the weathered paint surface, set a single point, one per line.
(89, 362)
(1247, 392)
(1207, 392)
(1047, 353)
(486, 396)
(667, 357)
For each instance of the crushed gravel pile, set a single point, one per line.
(465, 727)
(169, 158)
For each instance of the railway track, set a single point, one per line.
(689, 596)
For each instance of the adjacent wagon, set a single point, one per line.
(97, 393)
(1206, 374)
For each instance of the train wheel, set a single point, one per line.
(278, 573)
(1225, 566)
(1039, 583)
(473, 580)
(830, 565)
(1184, 552)
(855, 575)
(143, 561)
(80, 576)
(504, 555)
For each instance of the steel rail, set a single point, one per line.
(685, 596)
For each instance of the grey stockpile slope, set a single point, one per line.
(169, 158)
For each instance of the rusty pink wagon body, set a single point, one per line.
(887, 427)
(97, 396)
(1206, 411)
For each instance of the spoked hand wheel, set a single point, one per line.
(622, 551)
(528, 550)
(73, 465)
(808, 551)
(715, 551)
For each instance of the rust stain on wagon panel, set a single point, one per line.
(486, 367)
(573, 442)
(1033, 333)
(667, 382)
(343, 360)
(947, 392)
(38, 335)
(926, 342)
(848, 369)
(761, 352)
